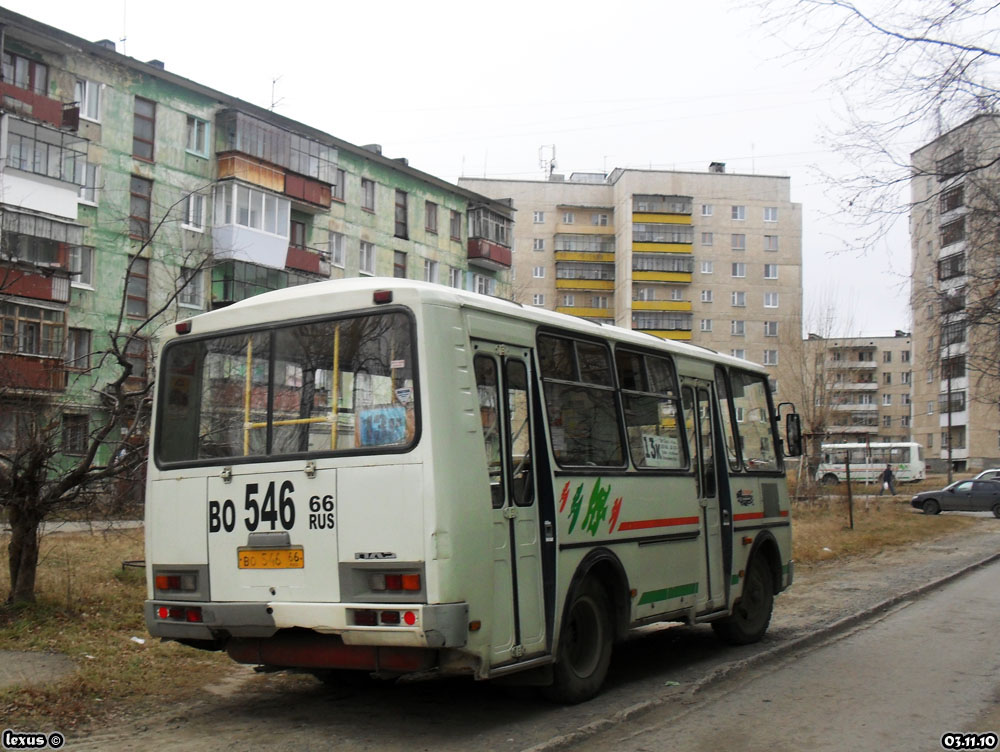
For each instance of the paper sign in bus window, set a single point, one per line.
(383, 425)
(660, 451)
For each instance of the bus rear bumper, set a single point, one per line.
(403, 625)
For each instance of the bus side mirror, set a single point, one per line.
(793, 435)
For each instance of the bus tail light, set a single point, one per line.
(369, 617)
(394, 582)
(180, 613)
(176, 582)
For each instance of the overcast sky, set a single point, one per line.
(477, 89)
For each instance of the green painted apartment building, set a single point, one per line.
(130, 193)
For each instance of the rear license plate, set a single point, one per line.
(270, 558)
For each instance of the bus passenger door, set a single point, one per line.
(504, 383)
(715, 514)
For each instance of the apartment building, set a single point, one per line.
(862, 387)
(953, 233)
(711, 257)
(124, 182)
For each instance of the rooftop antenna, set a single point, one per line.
(274, 87)
(547, 159)
(124, 25)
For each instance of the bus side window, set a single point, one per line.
(489, 413)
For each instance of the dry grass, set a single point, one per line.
(89, 608)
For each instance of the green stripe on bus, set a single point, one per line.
(667, 593)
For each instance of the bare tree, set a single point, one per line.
(37, 477)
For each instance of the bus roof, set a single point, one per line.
(313, 299)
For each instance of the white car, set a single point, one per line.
(992, 474)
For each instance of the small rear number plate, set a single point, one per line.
(270, 558)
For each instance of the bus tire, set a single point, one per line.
(830, 479)
(932, 507)
(752, 612)
(585, 644)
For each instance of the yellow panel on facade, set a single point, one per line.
(661, 305)
(594, 313)
(661, 277)
(662, 219)
(585, 284)
(662, 247)
(668, 334)
(584, 256)
(236, 166)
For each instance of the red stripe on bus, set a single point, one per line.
(749, 516)
(647, 524)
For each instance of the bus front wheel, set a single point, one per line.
(829, 479)
(752, 614)
(585, 644)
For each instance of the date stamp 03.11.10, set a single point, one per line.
(964, 740)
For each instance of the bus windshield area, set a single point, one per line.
(316, 387)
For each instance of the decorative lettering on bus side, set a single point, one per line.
(597, 507)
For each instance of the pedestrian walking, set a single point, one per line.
(888, 481)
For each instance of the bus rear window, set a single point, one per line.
(309, 388)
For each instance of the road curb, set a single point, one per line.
(822, 633)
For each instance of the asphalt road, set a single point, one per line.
(898, 682)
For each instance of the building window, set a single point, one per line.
(676, 293)
(887, 400)
(31, 331)
(75, 431)
(770, 242)
(399, 264)
(197, 136)
(297, 234)
(538, 244)
(952, 333)
(770, 357)
(91, 178)
(431, 217)
(706, 210)
(706, 238)
(739, 352)
(770, 300)
(78, 349)
(484, 285)
(953, 232)
(141, 192)
(136, 353)
(770, 271)
(337, 249)
(905, 377)
(770, 213)
(739, 269)
(738, 242)
(339, 190)
(951, 266)
(366, 257)
(887, 356)
(599, 301)
(367, 194)
(737, 328)
(430, 271)
(538, 217)
(81, 266)
(538, 272)
(88, 96)
(904, 356)
(191, 293)
(569, 218)
(599, 220)
(739, 213)
(143, 129)
(645, 293)
(25, 73)
(886, 421)
(455, 277)
(706, 325)
(456, 225)
(739, 299)
(538, 299)
(887, 379)
(906, 399)
(569, 300)
(770, 328)
(706, 296)
(237, 204)
(707, 267)
(401, 215)
(137, 288)
(194, 212)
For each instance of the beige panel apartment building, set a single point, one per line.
(711, 257)
(953, 235)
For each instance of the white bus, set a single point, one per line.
(406, 479)
(868, 461)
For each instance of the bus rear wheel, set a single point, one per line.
(585, 644)
(752, 613)
(830, 479)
